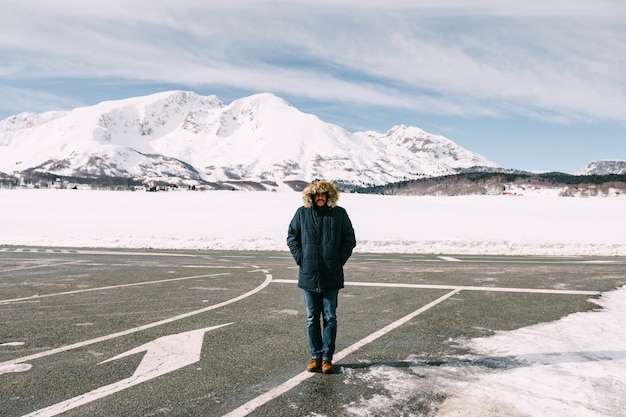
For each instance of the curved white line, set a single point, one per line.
(268, 280)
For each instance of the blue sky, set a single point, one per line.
(534, 84)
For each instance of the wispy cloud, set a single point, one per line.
(560, 60)
(36, 101)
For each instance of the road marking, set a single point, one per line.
(252, 405)
(599, 261)
(21, 367)
(456, 287)
(213, 266)
(135, 284)
(449, 258)
(94, 252)
(268, 280)
(163, 355)
(39, 250)
(41, 266)
(12, 344)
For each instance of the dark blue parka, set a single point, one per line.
(321, 240)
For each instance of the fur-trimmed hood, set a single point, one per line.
(316, 187)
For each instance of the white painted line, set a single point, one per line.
(135, 284)
(214, 266)
(9, 369)
(41, 266)
(268, 280)
(349, 350)
(600, 261)
(125, 253)
(449, 258)
(472, 288)
(384, 259)
(12, 344)
(252, 405)
(455, 287)
(94, 252)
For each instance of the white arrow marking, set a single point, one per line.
(163, 355)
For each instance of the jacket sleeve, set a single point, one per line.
(294, 237)
(348, 239)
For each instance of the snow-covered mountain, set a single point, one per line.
(604, 168)
(182, 137)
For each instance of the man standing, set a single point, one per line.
(321, 239)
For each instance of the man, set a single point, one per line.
(321, 239)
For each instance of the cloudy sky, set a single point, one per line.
(533, 84)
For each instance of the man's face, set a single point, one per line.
(320, 199)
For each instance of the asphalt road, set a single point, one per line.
(205, 333)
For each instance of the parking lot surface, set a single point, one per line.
(205, 333)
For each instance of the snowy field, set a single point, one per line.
(586, 379)
(535, 224)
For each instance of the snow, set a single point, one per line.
(602, 167)
(221, 143)
(539, 224)
(575, 366)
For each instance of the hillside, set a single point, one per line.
(181, 138)
(508, 183)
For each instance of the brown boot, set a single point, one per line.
(327, 367)
(315, 365)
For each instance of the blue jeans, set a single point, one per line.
(322, 305)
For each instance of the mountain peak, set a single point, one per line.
(180, 136)
(604, 167)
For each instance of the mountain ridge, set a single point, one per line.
(604, 167)
(506, 182)
(254, 143)
(185, 138)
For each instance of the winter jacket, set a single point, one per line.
(321, 239)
